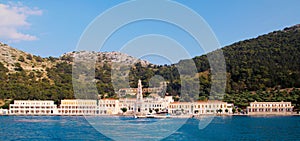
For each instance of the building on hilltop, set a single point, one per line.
(133, 91)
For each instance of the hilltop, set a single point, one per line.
(103, 57)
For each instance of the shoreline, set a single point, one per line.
(171, 116)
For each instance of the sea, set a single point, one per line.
(234, 128)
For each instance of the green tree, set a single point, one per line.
(18, 67)
(156, 110)
(233, 110)
(29, 56)
(5, 106)
(219, 111)
(124, 110)
(150, 111)
(226, 110)
(239, 110)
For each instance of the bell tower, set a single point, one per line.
(139, 95)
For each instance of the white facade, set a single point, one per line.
(128, 103)
(78, 107)
(89, 107)
(146, 105)
(108, 106)
(200, 108)
(212, 107)
(262, 108)
(180, 108)
(33, 107)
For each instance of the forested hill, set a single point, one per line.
(268, 61)
(262, 68)
(27, 76)
(266, 68)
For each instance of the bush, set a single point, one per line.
(124, 110)
(38, 58)
(5, 106)
(29, 57)
(21, 59)
(18, 67)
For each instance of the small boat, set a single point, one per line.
(150, 116)
(162, 116)
(168, 116)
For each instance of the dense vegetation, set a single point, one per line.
(26, 85)
(258, 68)
(266, 68)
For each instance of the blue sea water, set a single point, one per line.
(221, 128)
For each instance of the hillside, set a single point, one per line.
(259, 68)
(16, 60)
(265, 68)
(26, 76)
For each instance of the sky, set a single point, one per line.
(51, 28)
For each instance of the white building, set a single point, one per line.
(128, 103)
(212, 107)
(89, 107)
(141, 105)
(33, 107)
(3, 111)
(108, 106)
(273, 108)
(180, 108)
(78, 107)
(200, 108)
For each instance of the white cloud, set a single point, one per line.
(13, 17)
